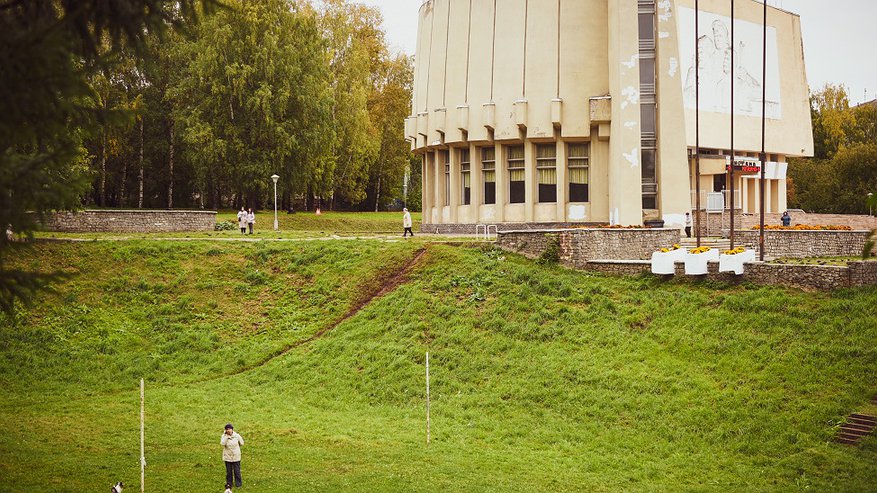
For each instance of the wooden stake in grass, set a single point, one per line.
(427, 397)
(142, 438)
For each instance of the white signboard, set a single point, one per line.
(714, 46)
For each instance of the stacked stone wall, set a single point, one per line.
(578, 246)
(618, 267)
(130, 221)
(798, 243)
(863, 273)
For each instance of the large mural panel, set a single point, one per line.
(714, 47)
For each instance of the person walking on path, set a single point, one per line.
(251, 220)
(406, 223)
(242, 220)
(787, 219)
(688, 224)
(231, 455)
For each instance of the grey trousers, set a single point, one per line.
(233, 469)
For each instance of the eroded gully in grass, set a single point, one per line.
(388, 284)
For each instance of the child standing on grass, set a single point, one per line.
(251, 220)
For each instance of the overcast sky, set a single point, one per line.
(840, 38)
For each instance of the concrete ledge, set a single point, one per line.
(130, 221)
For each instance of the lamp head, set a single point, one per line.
(275, 178)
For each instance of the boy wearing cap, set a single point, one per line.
(231, 453)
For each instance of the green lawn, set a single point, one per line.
(543, 379)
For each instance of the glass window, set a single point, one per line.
(577, 164)
(466, 192)
(488, 171)
(646, 26)
(546, 169)
(515, 165)
(647, 72)
(647, 118)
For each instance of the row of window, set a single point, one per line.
(546, 173)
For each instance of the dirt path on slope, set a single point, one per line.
(388, 284)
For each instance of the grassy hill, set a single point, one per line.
(543, 379)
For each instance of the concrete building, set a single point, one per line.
(554, 112)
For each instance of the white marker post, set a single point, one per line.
(142, 439)
(427, 397)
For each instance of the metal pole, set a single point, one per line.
(732, 125)
(275, 206)
(697, 120)
(142, 437)
(427, 398)
(763, 124)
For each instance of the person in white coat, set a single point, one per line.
(242, 220)
(231, 454)
(406, 223)
(251, 220)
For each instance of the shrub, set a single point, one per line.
(551, 255)
(225, 226)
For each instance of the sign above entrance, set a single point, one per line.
(746, 165)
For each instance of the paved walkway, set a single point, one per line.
(852, 220)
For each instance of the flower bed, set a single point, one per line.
(733, 260)
(664, 260)
(696, 260)
(806, 227)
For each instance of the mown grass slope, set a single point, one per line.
(543, 379)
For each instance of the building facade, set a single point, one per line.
(583, 111)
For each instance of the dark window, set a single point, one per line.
(465, 177)
(577, 164)
(515, 165)
(546, 169)
(647, 72)
(646, 26)
(488, 172)
(447, 156)
(647, 118)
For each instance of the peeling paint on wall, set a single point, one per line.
(632, 157)
(632, 96)
(674, 65)
(629, 124)
(663, 34)
(666, 11)
(577, 213)
(632, 61)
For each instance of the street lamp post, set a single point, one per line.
(275, 178)
(869, 203)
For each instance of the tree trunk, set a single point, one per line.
(123, 193)
(140, 178)
(102, 194)
(170, 166)
(378, 193)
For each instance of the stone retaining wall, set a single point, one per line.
(130, 221)
(619, 267)
(795, 243)
(810, 277)
(578, 246)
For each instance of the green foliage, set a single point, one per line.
(552, 377)
(868, 248)
(844, 169)
(551, 255)
(53, 55)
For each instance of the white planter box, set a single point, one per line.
(695, 263)
(663, 262)
(734, 263)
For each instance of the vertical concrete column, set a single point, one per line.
(456, 185)
(530, 186)
(477, 181)
(426, 187)
(625, 171)
(502, 183)
(562, 188)
(439, 173)
(674, 196)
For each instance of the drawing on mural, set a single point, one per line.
(714, 50)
